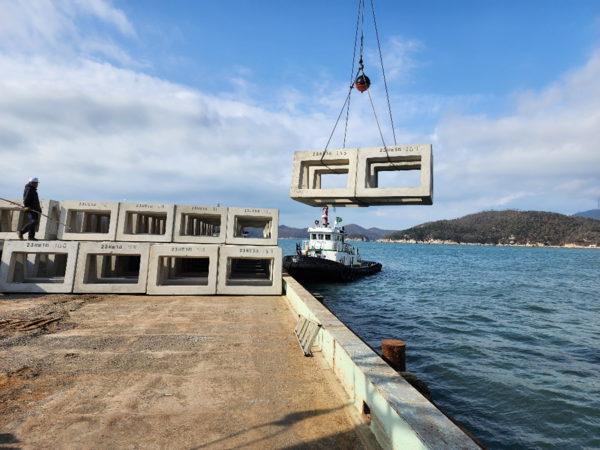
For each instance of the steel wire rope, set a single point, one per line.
(360, 3)
(383, 73)
(377, 121)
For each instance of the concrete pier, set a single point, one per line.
(143, 372)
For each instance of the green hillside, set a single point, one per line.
(506, 228)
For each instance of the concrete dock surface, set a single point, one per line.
(145, 372)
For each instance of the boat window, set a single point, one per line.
(327, 237)
(313, 236)
(320, 236)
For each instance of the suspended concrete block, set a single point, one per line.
(38, 266)
(112, 268)
(200, 224)
(145, 222)
(244, 223)
(13, 218)
(373, 162)
(183, 269)
(364, 168)
(249, 270)
(309, 169)
(88, 221)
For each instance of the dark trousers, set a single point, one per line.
(33, 222)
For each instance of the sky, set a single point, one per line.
(205, 103)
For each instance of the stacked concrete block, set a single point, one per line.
(249, 270)
(309, 168)
(145, 222)
(13, 218)
(242, 221)
(38, 266)
(109, 247)
(112, 267)
(183, 269)
(88, 221)
(200, 224)
(374, 160)
(363, 166)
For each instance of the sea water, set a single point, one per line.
(506, 338)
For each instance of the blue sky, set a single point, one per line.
(199, 102)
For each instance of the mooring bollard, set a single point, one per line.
(394, 353)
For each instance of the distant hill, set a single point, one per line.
(363, 234)
(352, 232)
(507, 228)
(286, 232)
(591, 214)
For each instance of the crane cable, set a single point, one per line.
(360, 20)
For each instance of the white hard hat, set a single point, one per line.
(34, 180)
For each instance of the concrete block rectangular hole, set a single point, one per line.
(145, 222)
(249, 270)
(88, 221)
(183, 269)
(111, 267)
(36, 267)
(252, 226)
(319, 180)
(200, 224)
(399, 175)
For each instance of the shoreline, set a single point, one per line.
(438, 242)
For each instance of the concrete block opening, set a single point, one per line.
(137, 223)
(396, 176)
(39, 268)
(330, 180)
(111, 269)
(183, 271)
(255, 227)
(200, 225)
(12, 220)
(249, 272)
(88, 221)
(252, 226)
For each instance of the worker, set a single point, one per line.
(31, 202)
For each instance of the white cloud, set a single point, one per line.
(398, 60)
(548, 149)
(55, 27)
(91, 130)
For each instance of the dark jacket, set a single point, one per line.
(31, 199)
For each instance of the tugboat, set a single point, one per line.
(325, 257)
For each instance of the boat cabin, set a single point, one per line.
(328, 243)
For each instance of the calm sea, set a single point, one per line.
(507, 338)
